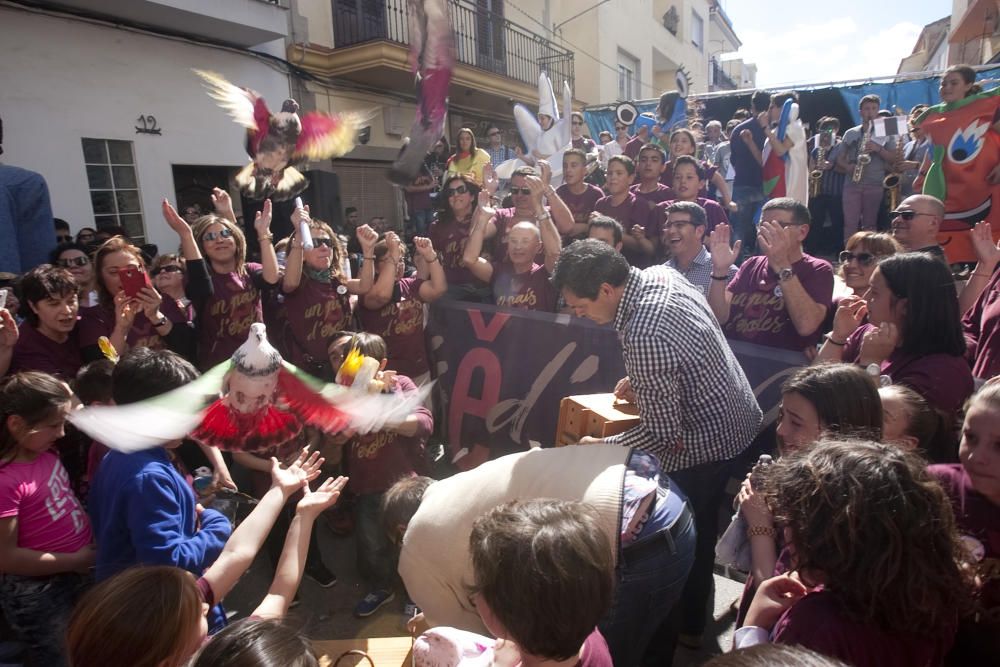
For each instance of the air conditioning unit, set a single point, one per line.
(392, 117)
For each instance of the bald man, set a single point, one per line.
(518, 281)
(915, 224)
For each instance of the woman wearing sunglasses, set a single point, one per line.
(235, 300)
(75, 258)
(318, 294)
(450, 232)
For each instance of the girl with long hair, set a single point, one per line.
(468, 159)
(449, 233)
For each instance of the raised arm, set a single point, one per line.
(249, 536)
(223, 204)
(296, 253)
(723, 256)
(435, 287)
(8, 339)
(851, 312)
(367, 238)
(381, 293)
(551, 241)
(561, 215)
(288, 574)
(269, 261)
(471, 258)
(987, 258)
(189, 247)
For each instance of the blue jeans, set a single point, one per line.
(647, 587)
(375, 557)
(38, 609)
(748, 199)
(421, 221)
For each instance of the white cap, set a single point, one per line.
(546, 98)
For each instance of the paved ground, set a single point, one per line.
(327, 613)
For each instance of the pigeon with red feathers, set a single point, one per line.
(278, 142)
(253, 402)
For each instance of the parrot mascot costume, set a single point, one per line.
(965, 148)
(253, 402)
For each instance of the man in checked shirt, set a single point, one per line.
(697, 410)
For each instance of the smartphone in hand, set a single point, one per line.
(133, 279)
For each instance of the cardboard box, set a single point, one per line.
(596, 415)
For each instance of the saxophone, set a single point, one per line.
(863, 157)
(816, 175)
(892, 181)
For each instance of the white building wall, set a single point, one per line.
(63, 79)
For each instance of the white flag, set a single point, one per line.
(892, 126)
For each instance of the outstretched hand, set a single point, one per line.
(315, 501)
(174, 220)
(723, 256)
(296, 475)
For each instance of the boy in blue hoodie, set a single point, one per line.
(142, 510)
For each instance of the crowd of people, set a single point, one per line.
(873, 538)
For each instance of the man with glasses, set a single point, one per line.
(523, 210)
(915, 224)
(780, 298)
(684, 237)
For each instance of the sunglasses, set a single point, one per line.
(863, 258)
(906, 215)
(211, 236)
(520, 191)
(76, 261)
(170, 268)
(460, 190)
(323, 241)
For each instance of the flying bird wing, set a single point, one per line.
(136, 426)
(245, 106)
(327, 135)
(432, 58)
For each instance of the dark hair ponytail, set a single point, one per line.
(32, 396)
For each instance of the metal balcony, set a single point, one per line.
(483, 39)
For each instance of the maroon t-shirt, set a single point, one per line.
(633, 147)
(978, 522)
(530, 290)
(401, 326)
(629, 213)
(35, 351)
(667, 175)
(449, 240)
(99, 320)
(581, 205)
(376, 461)
(818, 622)
(224, 319)
(661, 194)
(982, 331)
(945, 381)
(314, 312)
(758, 314)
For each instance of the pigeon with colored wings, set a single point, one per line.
(254, 402)
(277, 142)
(432, 58)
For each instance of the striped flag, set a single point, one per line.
(892, 126)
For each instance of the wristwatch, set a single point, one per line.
(785, 274)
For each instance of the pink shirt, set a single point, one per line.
(49, 516)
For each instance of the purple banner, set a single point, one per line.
(501, 374)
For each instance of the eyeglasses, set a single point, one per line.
(224, 234)
(460, 190)
(169, 268)
(323, 241)
(863, 258)
(75, 261)
(520, 191)
(906, 215)
(677, 223)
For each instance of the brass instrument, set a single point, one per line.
(816, 175)
(892, 181)
(863, 157)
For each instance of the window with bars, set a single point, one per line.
(114, 185)
(628, 76)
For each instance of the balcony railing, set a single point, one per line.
(718, 77)
(483, 39)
